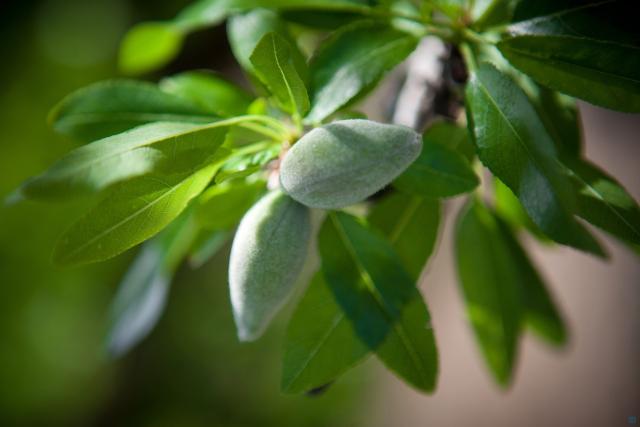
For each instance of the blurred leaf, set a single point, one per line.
(222, 206)
(274, 64)
(322, 20)
(246, 30)
(129, 215)
(142, 294)
(241, 164)
(454, 9)
(167, 147)
(110, 107)
(514, 144)
(439, 171)
(411, 225)
(490, 283)
(209, 92)
(351, 62)
(149, 46)
(379, 298)
(604, 202)
(590, 52)
(541, 314)
(488, 13)
(206, 246)
(205, 13)
(320, 343)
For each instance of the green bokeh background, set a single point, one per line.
(191, 371)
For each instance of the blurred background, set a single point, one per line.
(191, 371)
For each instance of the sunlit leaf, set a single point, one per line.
(351, 62)
(113, 106)
(208, 91)
(274, 63)
(130, 214)
(161, 147)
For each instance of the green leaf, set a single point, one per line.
(514, 144)
(411, 226)
(206, 13)
(142, 294)
(241, 164)
(149, 46)
(453, 137)
(604, 202)
(110, 107)
(540, 312)
(222, 206)
(489, 280)
(244, 31)
(320, 343)
(590, 52)
(209, 92)
(351, 62)
(558, 112)
(274, 64)
(510, 210)
(164, 147)
(439, 171)
(379, 298)
(129, 215)
(488, 13)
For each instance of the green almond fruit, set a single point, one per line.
(345, 162)
(267, 256)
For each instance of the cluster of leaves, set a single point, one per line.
(177, 164)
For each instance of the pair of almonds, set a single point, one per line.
(330, 167)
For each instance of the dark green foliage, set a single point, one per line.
(180, 164)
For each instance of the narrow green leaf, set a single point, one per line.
(275, 66)
(558, 112)
(113, 106)
(591, 52)
(222, 206)
(379, 298)
(164, 147)
(320, 343)
(510, 210)
(149, 46)
(129, 215)
(142, 294)
(489, 281)
(411, 226)
(514, 144)
(205, 13)
(540, 312)
(488, 13)
(351, 62)
(244, 31)
(604, 202)
(209, 92)
(439, 171)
